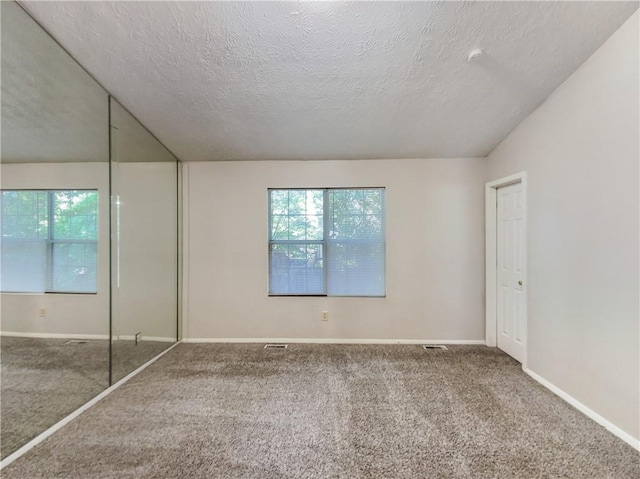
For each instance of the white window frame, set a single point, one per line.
(325, 241)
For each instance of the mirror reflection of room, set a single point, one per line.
(55, 232)
(89, 246)
(144, 245)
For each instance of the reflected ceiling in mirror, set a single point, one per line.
(133, 142)
(52, 110)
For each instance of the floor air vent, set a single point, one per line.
(77, 341)
(275, 346)
(435, 346)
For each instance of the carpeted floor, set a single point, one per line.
(128, 356)
(328, 411)
(44, 380)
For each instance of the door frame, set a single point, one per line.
(491, 257)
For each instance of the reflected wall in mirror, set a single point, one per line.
(144, 188)
(55, 232)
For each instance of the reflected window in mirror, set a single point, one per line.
(49, 241)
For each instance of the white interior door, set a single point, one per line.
(511, 273)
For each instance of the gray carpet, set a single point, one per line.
(128, 356)
(329, 411)
(44, 380)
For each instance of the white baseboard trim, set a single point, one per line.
(615, 430)
(44, 435)
(54, 335)
(124, 337)
(332, 341)
(130, 337)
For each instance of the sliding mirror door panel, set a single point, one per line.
(54, 326)
(144, 187)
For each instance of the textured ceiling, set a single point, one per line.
(330, 80)
(51, 109)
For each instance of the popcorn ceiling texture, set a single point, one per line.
(52, 111)
(330, 80)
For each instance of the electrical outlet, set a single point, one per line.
(43, 312)
(325, 315)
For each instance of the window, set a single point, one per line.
(49, 241)
(326, 242)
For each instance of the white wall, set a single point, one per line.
(580, 149)
(66, 314)
(145, 258)
(435, 252)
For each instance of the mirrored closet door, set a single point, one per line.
(89, 283)
(55, 233)
(144, 188)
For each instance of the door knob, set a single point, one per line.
(519, 283)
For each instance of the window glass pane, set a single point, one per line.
(24, 241)
(74, 267)
(296, 215)
(355, 269)
(356, 214)
(24, 266)
(279, 202)
(355, 244)
(279, 227)
(75, 215)
(296, 269)
(24, 215)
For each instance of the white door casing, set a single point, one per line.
(510, 271)
(506, 265)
